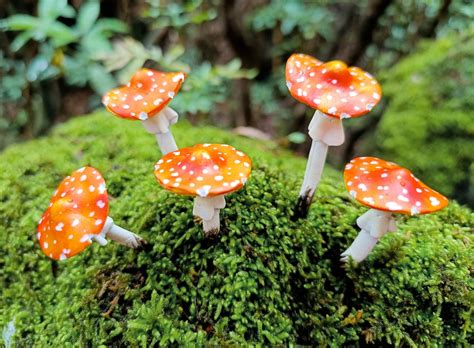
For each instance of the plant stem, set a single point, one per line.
(374, 224)
(119, 235)
(325, 131)
(312, 176)
(160, 126)
(166, 142)
(208, 209)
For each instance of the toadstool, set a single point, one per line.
(335, 91)
(208, 172)
(145, 98)
(77, 215)
(386, 188)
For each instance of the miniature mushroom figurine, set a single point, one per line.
(77, 215)
(335, 91)
(208, 172)
(386, 188)
(145, 98)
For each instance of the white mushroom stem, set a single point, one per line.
(374, 224)
(208, 209)
(118, 234)
(160, 126)
(325, 131)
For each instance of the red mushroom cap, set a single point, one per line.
(386, 186)
(332, 88)
(78, 209)
(147, 93)
(204, 170)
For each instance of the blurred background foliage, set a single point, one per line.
(58, 57)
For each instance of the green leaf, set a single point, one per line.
(20, 40)
(297, 137)
(48, 8)
(60, 34)
(52, 9)
(88, 14)
(111, 25)
(19, 23)
(101, 81)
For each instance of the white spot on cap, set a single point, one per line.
(178, 77)
(59, 226)
(393, 206)
(368, 200)
(85, 238)
(102, 188)
(403, 198)
(75, 222)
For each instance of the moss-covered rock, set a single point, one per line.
(429, 123)
(265, 279)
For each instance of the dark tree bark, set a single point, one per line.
(360, 35)
(430, 31)
(348, 18)
(250, 48)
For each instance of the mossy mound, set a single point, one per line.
(265, 279)
(429, 123)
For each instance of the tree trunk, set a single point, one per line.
(430, 31)
(360, 35)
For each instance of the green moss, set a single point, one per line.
(429, 123)
(266, 279)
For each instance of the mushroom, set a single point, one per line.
(386, 188)
(208, 172)
(335, 91)
(77, 215)
(145, 98)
